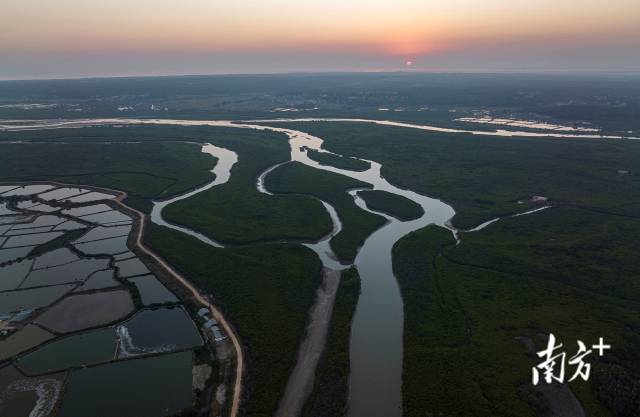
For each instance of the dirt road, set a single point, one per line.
(237, 388)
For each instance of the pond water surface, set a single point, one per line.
(158, 330)
(149, 387)
(72, 351)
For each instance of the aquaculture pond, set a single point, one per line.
(158, 330)
(28, 396)
(152, 291)
(156, 386)
(85, 328)
(100, 280)
(68, 352)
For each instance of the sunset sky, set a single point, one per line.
(75, 38)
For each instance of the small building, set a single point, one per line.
(203, 312)
(217, 334)
(210, 323)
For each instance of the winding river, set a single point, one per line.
(377, 331)
(222, 171)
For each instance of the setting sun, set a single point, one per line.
(98, 37)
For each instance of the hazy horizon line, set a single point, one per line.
(488, 71)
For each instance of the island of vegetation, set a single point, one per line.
(392, 204)
(296, 178)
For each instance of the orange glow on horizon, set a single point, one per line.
(402, 28)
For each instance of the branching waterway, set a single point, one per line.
(376, 346)
(222, 171)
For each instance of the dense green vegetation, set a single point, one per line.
(338, 161)
(484, 177)
(237, 212)
(266, 291)
(127, 134)
(395, 205)
(296, 178)
(585, 275)
(469, 307)
(434, 325)
(144, 170)
(590, 251)
(331, 385)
